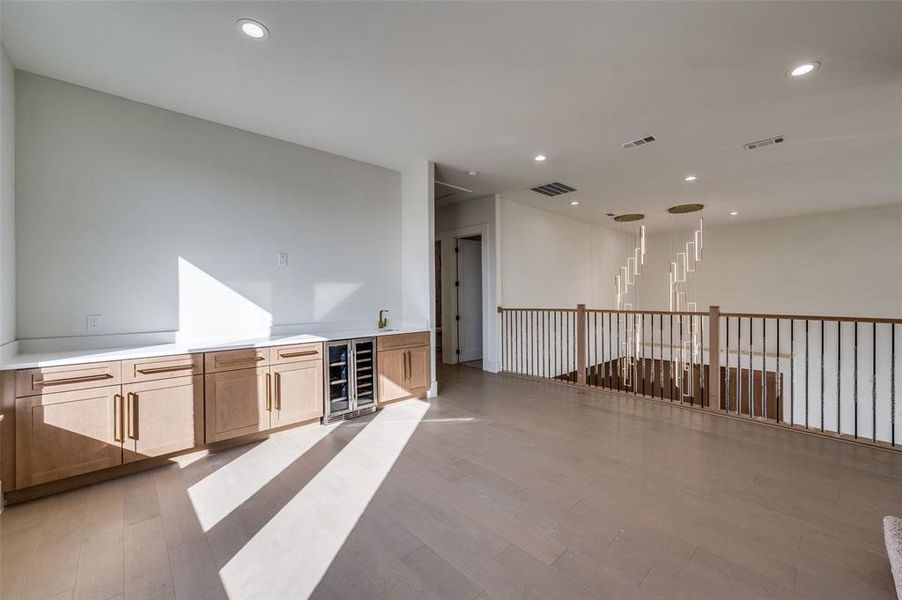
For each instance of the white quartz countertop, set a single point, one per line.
(30, 360)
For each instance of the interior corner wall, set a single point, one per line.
(7, 201)
(129, 211)
(478, 215)
(548, 260)
(418, 251)
(843, 263)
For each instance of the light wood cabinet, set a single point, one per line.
(392, 376)
(68, 433)
(229, 360)
(163, 416)
(243, 401)
(30, 382)
(163, 367)
(418, 370)
(71, 420)
(237, 403)
(297, 392)
(403, 372)
(286, 354)
(402, 340)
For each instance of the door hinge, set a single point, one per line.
(456, 249)
(457, 351)
(456, 284)
(457, 317)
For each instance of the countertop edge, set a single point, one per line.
(75, 357)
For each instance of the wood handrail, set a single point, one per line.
(785, 316)
(811, 317)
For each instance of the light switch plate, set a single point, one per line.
(93, 323)
(283, 259)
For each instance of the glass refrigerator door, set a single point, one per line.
(364, 372)
(339, 392)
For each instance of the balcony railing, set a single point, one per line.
(827, 375)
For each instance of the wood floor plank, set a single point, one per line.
(146, 561)
(506, 489)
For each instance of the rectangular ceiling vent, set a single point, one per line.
(640, 142)
(555, 188)
(761, 143)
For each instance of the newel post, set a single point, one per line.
(581, 344)
(714, 358)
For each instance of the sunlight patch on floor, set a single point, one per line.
(290, 554)
(227, 488)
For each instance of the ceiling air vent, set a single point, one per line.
(555, 188)
(640, 142)
(774, 140)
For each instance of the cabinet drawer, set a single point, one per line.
(45, 380)
(229, 360)
(164, 367)
(286, 354)
(402, 340)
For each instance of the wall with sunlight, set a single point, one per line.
(160, 222)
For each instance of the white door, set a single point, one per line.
(469, 299)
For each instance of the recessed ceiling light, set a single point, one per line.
(803, 68)
(574, 202)
(472, 172)
(691, 177)
(734, 213)
(540, 157)
(253, 29)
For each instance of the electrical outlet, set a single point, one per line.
(93, 323)
(283, 259)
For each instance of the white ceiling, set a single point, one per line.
(488, 85)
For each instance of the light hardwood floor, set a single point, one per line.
(506, 488)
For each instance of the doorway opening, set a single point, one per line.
(468, 287)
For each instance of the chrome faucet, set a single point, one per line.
(383, 321)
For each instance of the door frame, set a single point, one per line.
(463, 354)
(449, 292)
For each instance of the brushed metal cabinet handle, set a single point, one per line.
(278, 386)
(238, 361)
(83, 379)
(118, 424)
(154, 370)
(132, 415)
(293, 354)
(268, 393)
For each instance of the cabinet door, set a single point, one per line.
(236, 403)
(418, 370)
(392, 368)
(163, 416)
(68, 433)
(297, 392)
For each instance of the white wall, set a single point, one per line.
(554, 261)
(114, 196)
(418, 252)
(7, 201)
(476, 216)
(846, 263)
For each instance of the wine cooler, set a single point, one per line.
(350, 378)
